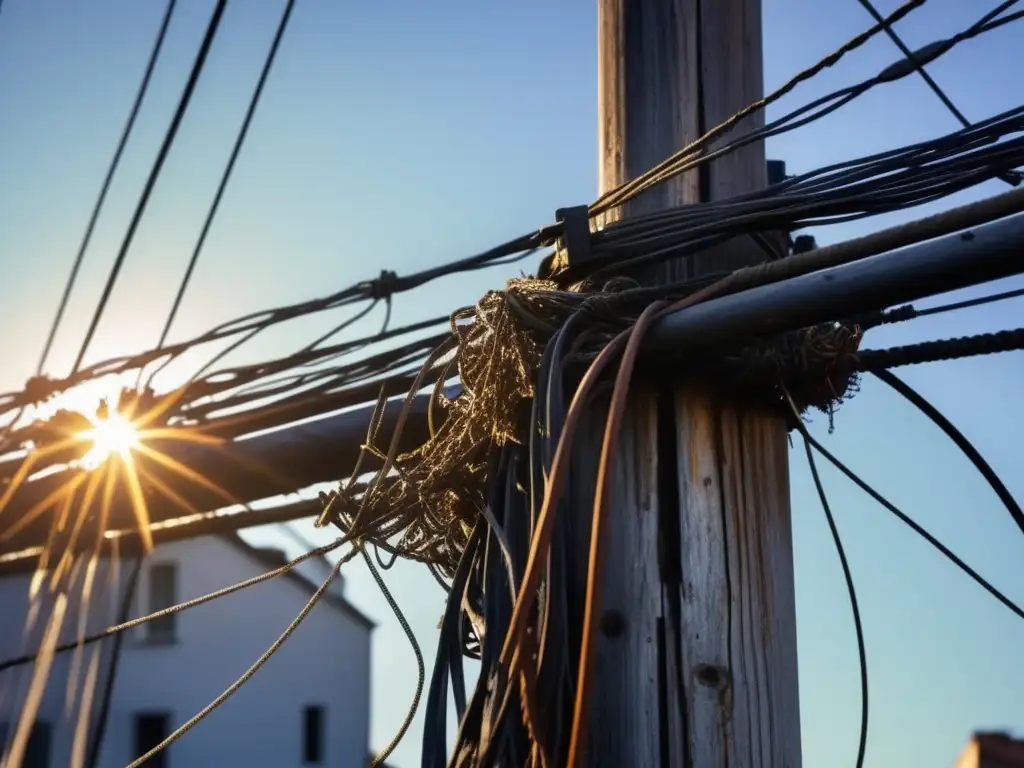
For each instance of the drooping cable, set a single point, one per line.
(786, 207)
(847, 576)
(252, 670)
(420, 669)
(201, 600)
(920, 531)
(958, 438)
(154, 174)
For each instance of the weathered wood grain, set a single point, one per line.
(702, 668)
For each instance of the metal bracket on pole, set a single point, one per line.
(803, 244)
(776, 172)
(574, 244)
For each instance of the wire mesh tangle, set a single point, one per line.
(481, 502)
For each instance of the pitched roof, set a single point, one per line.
(270, 558)
(992, 749)
(999, 750)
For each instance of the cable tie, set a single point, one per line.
(385, 286)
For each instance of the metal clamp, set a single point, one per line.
(574, 243)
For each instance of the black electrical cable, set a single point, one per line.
(910, 312)
(969, 303)
(870, 8)
(979, 134)
(111, 170)
(961, 441)
(906, 520)
(307, 351)
(870, 360)
(103, 716)
(508, 734)
(694, 154)
(883, 183)
(658, 173)
(512, 250)
(914, 164)
(1006, 20)
(477, 261)
(719, 220)
(172, 132)
(848, 576)
(887, 182)
(420, 669)
(990, 20)
(226, 176)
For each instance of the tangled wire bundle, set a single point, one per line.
(475, 501)
(432, 497)
(436, 492)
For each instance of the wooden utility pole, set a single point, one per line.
(696, 664)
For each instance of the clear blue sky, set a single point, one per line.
(405, 134)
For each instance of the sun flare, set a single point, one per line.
(112, 435)
(83, 428)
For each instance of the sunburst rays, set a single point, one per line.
(116, 460)
(117, 443)
(109, 437)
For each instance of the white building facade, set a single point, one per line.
(308, 706)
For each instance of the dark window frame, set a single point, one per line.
(40, 746)
(161, 593)
(314, 747)
(41, 730)
(141, 743)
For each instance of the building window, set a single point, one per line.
(151, 728)
(37, 750)
(313, 735)
(163, 593)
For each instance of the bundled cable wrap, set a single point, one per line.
(818, 366)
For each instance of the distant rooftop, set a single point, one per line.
(992, 749)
